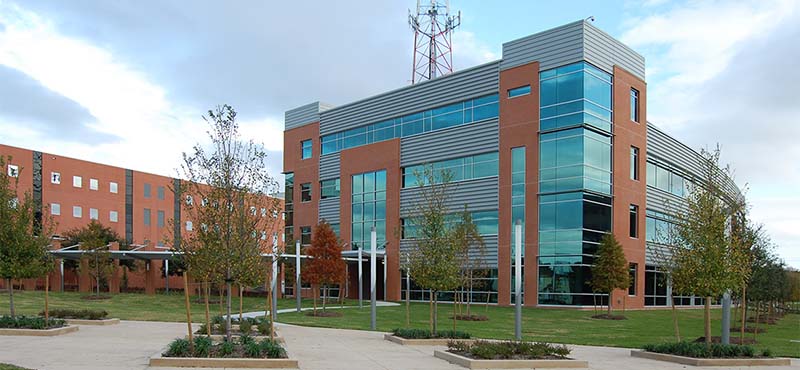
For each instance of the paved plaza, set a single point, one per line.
(130, 344)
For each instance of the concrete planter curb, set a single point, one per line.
(509, 364)
(691, 361)
(248, 363)
(103, 322)
(40, 332)
(421, 342)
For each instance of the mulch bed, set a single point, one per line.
(210, 301)
(95, 297)
(609, 317)
(515, 357)
(763, 320)
(749, 329)
(324, 314)
(471, 317)
(733, 339)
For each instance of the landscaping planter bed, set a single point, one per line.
(421, 342)
(711, 361)
(248, 363)
(509, 364)
(257, 338)
(39, 332)
(101, 322)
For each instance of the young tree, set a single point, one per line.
(468, 238)
(434, 262)
(93, 239)
(229, 186)
(610, 269)
(24, 242)
(705, 257)
(325, 265)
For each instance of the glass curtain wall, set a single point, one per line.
(574, 179)
(368, 209)
(517, 214)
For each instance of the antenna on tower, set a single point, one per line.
(433, 47)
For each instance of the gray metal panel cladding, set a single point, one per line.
(477, 195)
(487, 257)
(304, 114)
(329, 166)
(666, 150)
(664, 202)
(656, 253)
(571, 43)
(453, 142)
(462, 85)
(329, 210)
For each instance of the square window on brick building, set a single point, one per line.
(113, 187)
(77, 181)
(93, 184)
(55, 178)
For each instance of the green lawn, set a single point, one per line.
(135, 306)
(561, 325)
(11, 367)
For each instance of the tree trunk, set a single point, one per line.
(675, 320)
(624, 303)
(488, 298)
(430, 311)
(707, 319)
(208, 315)
(744, 315)
(268, 307)
(188, 309)
(454, 316)
(435, 312)
(47, 299)
(609, 304)
(315, 293)
(11, 297)
(469, 297)
(324, 297)
(228, 286)
(755, 329)
(594, 299)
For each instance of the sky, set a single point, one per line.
(127, 82)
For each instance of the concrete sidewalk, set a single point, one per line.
(130, 344)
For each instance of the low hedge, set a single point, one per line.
(426, 334)
(244, 347)
(703, 350)
(24, 322)
(68, 313)
(509, 350)
(248, 326)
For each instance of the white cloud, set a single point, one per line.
(468, 51)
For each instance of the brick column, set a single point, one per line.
(150, 278)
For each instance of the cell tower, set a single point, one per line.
(433, 47)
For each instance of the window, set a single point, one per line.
(77, 181)
(189, 226)
(93, 214)
(634, 229)
(305, 235)
(460, 169)
(55, 178)
(575, 94)
(306, 149)
(274, 213)
(160, 192)
(305, 192)
(112, 187)
(13, 170)
(633, 273)
(634, 163)
(519, 91)
(634, 105)
(77, 212)
(93, 184)
(160, 218)
(329, 188)
(368, 204)
(146, 215)
(517, 193)
(189, 200)
(113, 216)
(55, 209)
(147, 190)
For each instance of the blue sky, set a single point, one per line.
(125, 82)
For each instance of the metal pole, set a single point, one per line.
(518, 278)
(360, 279)
(274, 283)
(726, 318)
(372, 272)
(62, 274)
(297, 289)
(166, 275)
(384, 276)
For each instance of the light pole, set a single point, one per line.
(372, 271)
(274, 282)
(360, 279)
(297, 291)
(518, 280)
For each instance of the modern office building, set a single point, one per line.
(139, 206)
(554, 134)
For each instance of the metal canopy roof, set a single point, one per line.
(75, 253)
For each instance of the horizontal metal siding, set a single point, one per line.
(329, 166)
(462, 85)
(449, 143)
(664, 202)
(477, 195)
(655, 254)
(667, 149)
(486, 257)
(329, 210)
(552, 48)
(304, 114)
(605, 51)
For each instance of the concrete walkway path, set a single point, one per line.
(330, 307)
(130, 344)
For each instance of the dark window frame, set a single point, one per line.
(306, 145)
(635, 163)
(635, 97)
(305, 192)
(633, 221)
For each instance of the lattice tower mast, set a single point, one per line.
(433, 47)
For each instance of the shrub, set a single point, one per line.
(509, 350)
(252, 349)
(202, 346)
(218, 324)
(24, 322)
(271, 349)
(703, 350)
(178, 348)
(67, 313)
(426, 334)
(226, 349)
(263, 327)
(245, 339)
(245, 327)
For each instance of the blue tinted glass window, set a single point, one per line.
(464, 168)
(522, 90)
(306, 149)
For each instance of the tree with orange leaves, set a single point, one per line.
(325, 264)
